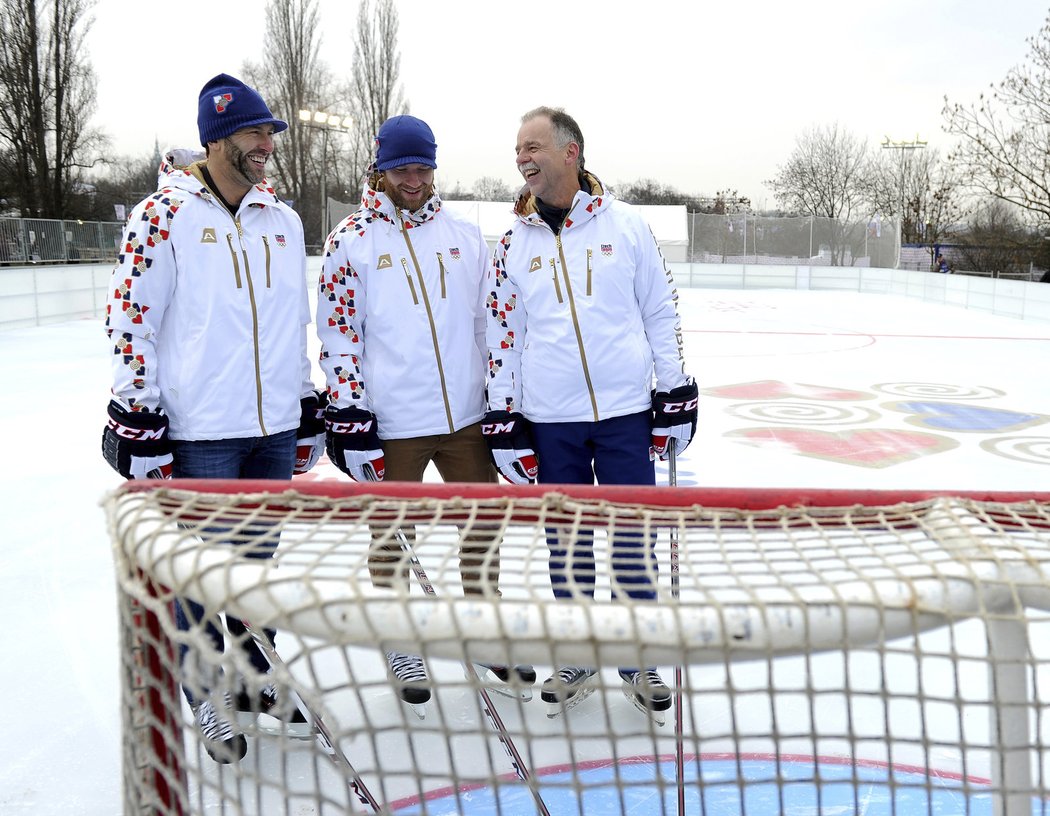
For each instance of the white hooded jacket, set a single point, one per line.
(208, 312)
(400, 316)
(579, 322)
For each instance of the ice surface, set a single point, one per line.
(815, 389)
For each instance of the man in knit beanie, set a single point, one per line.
(210, 373)
(401, 319)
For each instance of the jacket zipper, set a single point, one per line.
(411, 286)
(255, 327)
(430, 318)
(233, 257)
(441, 266)
(266, 245)
(588, 272)
(576, 322)
(554, 277)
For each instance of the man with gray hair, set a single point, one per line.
(581, 277)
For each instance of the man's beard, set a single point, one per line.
(395, 196)
(239, 161)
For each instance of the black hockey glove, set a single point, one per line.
(136, 444)
(352, 440)
(310, 441)
(511, 446)
(674, 418)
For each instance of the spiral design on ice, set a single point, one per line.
(939, 390)
(802, 413)
(1033, 450)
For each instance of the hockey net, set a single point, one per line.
(828, 651)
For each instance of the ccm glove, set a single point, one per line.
(310, 441)
(352, 440)
(136, 444)
(675, 418)
(511, 446)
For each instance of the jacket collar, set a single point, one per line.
(585, 204)
(375, 200)
(191, 180)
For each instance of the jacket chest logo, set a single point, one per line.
(208, 236)
(536, 264)
(281, 242)
(607, 249)
(453, 253)
(384, 262)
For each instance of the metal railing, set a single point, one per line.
(46, 240)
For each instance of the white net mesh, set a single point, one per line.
(846, 659)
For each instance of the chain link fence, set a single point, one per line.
(45, 240)
(743, 238)
(737, 238)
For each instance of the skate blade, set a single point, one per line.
(491, 682)
(523, 694)
(555, 710)
(274, 726)
(419, 709)
(658, 717)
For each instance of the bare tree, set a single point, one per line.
(1004, 136)
(996, 242)
(919, 188)
(375, 92)
(827, 174)
(294, 78)
(490, 188)
(47, 95)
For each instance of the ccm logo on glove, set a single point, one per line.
(679, 407)
(350, 427)
(489, 428)
(137, 434)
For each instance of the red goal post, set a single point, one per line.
(762, 575)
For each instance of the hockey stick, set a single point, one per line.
(329, 745)
(679, 742)
(516, 759)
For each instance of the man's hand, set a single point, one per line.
(511, 446)
(310, 441)
(352, 440)
(136, 444)
(674, 418)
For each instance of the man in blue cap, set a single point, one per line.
(211, 378)
(400, 316)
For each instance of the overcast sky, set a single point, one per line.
(701, 95)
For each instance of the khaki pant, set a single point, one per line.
(462, 456)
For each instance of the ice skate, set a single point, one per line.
(647, 692)
(567, 688)
(223, 742)
(268, 713)
(412, 682)
(515, 682)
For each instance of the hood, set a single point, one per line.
(190, 179)
(592, 199)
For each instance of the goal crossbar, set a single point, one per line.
(765, 578)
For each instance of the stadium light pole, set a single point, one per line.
(326, 123)
(903, 148)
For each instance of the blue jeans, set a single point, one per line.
(257, 457)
